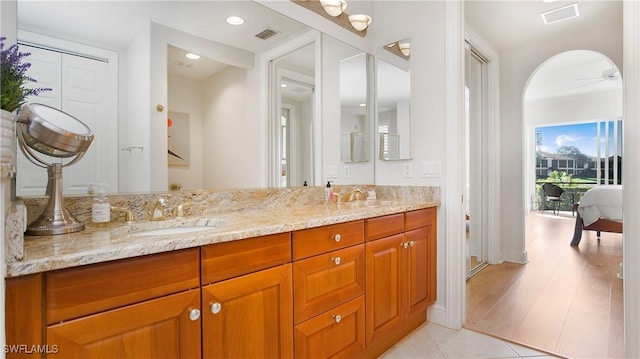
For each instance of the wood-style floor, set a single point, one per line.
(566, 300)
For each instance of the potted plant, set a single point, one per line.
(13, 93)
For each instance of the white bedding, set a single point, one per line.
(602, 202)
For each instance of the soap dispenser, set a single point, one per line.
(101, 208)
(328, 193)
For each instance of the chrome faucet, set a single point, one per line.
(157, 211)
(353, 196)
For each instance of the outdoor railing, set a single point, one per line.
(573, 192)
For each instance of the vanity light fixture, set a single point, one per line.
(360, 21)
(405, 48)
(235, 20)
(192, 56)
(333, 10)
(334, 7)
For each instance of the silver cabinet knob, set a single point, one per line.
(336, 260)
(216, 308)
(194, 314)
(405, 245)
(337, 318)
(337, 237)
(412, 243)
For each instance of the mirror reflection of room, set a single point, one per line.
(353, 109)
(393, 95)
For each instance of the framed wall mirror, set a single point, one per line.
(393, 102)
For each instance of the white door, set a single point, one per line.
(83, 88)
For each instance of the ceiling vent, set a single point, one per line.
(561, 13)
(266, 33)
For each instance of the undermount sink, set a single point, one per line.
(170, 230)
(175, 226)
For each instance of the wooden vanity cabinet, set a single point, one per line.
(146, 306)
(328, 273)
(400, 275)
(247, 298)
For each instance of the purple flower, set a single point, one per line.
(13, 77)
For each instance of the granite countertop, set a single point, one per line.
(96, 244)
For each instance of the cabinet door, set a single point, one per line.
(326, 280)
(249, 316)
(384, 286)
(417, 273)
(337, 333)
(166, 327)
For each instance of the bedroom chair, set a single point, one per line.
(552, 194)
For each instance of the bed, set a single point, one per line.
(600, 210)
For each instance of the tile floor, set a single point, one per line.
(434, 341)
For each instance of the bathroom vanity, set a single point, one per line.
(314, 280)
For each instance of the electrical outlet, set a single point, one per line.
(331, 171)
(346, 171)
(408, 170)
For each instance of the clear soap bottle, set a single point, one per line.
(328, 193)
(100, 209)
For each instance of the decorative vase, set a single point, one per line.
(7, 144)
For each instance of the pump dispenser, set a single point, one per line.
(100, 209)
(328, 193)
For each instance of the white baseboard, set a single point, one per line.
(437, 314)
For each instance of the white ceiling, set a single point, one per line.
(516, 23)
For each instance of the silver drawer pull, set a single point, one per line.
(194, 314)
(337, 318)
(337, 237)
(336, 260)
(216, 308)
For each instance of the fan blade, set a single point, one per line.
(591, 83)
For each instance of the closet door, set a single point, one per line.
(31, 180)
(81, 87)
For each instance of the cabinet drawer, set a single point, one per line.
(419, 218)
(226, 260)
(75, 292)
(380, 227)
(313, 241)
(324, 281)
(338, 333)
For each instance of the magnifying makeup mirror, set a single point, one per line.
(49, 131)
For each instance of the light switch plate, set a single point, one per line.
(431, 169)
(346, 171)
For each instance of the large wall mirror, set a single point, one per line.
(225, 122)
(393, 99)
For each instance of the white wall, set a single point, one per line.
(232, 153)
(185, 96)
(593, 106)
(516, 66)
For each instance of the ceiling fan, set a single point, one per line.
(607, 75)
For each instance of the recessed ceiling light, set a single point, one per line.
(192, 56)
(283, 85)
(363, 105)
(235, 20)
(561, 13)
